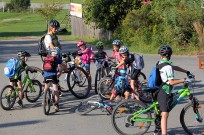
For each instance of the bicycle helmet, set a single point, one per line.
(80, 42)
(117, 42)
(23, 54)
(99, 45)
(54, 23)
(56, 50)
(165, 50)
(123, 49)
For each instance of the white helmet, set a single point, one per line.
(123, 49)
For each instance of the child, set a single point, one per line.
(127, 59)
(115, 55)
(23, 57)
(85, 54)
(51, 39)
(101, 55)
(167, 76)
(52, 76)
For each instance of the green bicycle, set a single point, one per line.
(32, 91)
(133, 117)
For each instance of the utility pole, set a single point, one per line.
(3, 5)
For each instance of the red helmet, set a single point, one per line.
(80, 42)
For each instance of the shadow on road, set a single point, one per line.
(21, 123)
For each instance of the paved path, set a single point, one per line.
(32, 121)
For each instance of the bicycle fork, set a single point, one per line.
(195, 108)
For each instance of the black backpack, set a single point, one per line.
(41, 47)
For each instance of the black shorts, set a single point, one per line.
(134, 74)
(15, 80)
(164, 100)
(52, 79)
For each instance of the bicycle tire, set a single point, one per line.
(187, 114)
(47, 102)
(79, 94)
(11, 99)
(97, 79)
(86, 106)
(144, 96)
(105, 92)
(63, 82)
(37, 91)
(128, 107)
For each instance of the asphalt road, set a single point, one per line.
(31, 120)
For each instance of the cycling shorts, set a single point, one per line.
(15, 80)
(164, 100)
(52, 79)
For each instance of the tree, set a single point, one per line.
(50, 9)
(18, 5)
(108, 14)
(175, 22)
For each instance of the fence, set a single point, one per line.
(79, 28)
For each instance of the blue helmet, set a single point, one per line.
(117, 42)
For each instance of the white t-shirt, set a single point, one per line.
(48, 40)
(166, 73)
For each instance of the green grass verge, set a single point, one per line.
(24, 24)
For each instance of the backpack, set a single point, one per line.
(49, 64)
(138, 62)
(155, 80)
(11, 67)
(41, 47)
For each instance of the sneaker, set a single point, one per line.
(56, 108)
(20, 102)
(157, 131)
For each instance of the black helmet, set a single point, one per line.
(165, 50)
(54, 23)
(23, 54)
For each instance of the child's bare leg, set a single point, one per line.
(127, 94)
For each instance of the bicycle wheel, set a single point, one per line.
(105, 87)
(88, 105)
(32, 94)
(63, 83)
(47, 101)
(122, 114)
(97, 78)
(8, 97)
(144, 96)
(76, 84)
(188, 120)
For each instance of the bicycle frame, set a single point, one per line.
(26, 80)
(182, 92)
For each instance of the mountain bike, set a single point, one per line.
(48, 100)
(31, 89)
(92, 103)
(132, 117)
(76, 78)
(100, 71)
(106, 85)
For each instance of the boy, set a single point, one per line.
(23, 57)
(100, 55)
(52, 76)
(167, 76)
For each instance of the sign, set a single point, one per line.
(76, 9)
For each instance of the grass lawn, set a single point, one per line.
(63, 1)
(24, 24)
